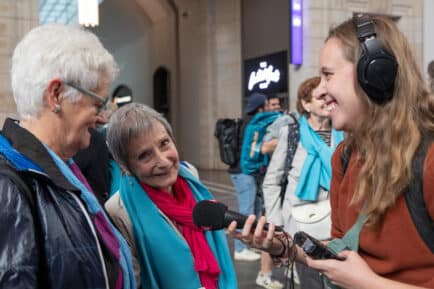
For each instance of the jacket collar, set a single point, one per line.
(27, 144)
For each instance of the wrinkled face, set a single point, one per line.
(78, 117)
(337, 77)
(153, 158)
(317, 104)
(273, 104)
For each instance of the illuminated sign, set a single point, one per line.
(266, 74)
(296, 32)
(263, 76)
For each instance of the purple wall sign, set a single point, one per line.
(296, 32)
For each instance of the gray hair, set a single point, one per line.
(130, 121)
(54, 50)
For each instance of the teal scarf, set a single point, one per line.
(317, 169)
(165, 258)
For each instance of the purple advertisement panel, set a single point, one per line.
(297, 32)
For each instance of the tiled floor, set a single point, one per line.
(219, 183)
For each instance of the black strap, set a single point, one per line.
(415, 198)
(364, 26)
(293, 139)
(414, 192)
(19, 180)
(345, 159)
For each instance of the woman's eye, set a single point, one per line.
(165, 142)
(144, 156)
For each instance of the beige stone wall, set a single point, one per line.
(319, 15)
(163, 40)
(210, 75)
(17, 17)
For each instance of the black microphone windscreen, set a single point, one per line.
(209, 215)
(212, 215)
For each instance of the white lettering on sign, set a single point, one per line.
(264, 76)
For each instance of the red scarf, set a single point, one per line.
(179, 209)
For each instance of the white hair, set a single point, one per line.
(54, 50)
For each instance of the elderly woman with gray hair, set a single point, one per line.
(153, 207)
(54, 233)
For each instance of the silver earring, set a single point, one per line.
(56, 108)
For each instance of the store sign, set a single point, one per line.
(266, 74)
(263, 76)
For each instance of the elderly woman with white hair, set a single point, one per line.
(154, 205)
(54, 233)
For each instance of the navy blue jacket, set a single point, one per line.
(65, 252)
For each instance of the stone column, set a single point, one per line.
(17, 17)
(210, 75)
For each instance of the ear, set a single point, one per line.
(306, 105)
(52, 93)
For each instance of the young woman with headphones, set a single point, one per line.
(375, 93)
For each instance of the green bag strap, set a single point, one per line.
(350, 241)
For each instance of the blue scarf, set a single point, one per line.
(94, 208)
(20, 161)
(317, 169)
(165, 258)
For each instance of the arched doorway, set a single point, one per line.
(162, 91)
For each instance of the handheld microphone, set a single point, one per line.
(212, 215)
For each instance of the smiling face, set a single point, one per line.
(153, 158)
(316, 106)
(337, 78)
(76, 118)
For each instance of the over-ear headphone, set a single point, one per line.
(376, 68)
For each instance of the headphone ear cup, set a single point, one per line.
(376, 75)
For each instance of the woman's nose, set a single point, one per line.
(101, 118)
(161, 159)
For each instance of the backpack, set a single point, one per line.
(227, 132)
(293, 139)
(252, 160)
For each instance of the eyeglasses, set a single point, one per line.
(87, 92)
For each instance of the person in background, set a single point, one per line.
(388, 124)
(245, 184)
(259, 109)
(122, 95)
(272, 136)
(273, 103)
(54, 232)
(316, 143)
(153, 207)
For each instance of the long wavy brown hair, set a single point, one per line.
(389, 134)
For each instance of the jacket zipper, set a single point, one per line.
(89, 221)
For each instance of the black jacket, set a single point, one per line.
(72, 255)
(93, 162)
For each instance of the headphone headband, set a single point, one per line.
(364, 26)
